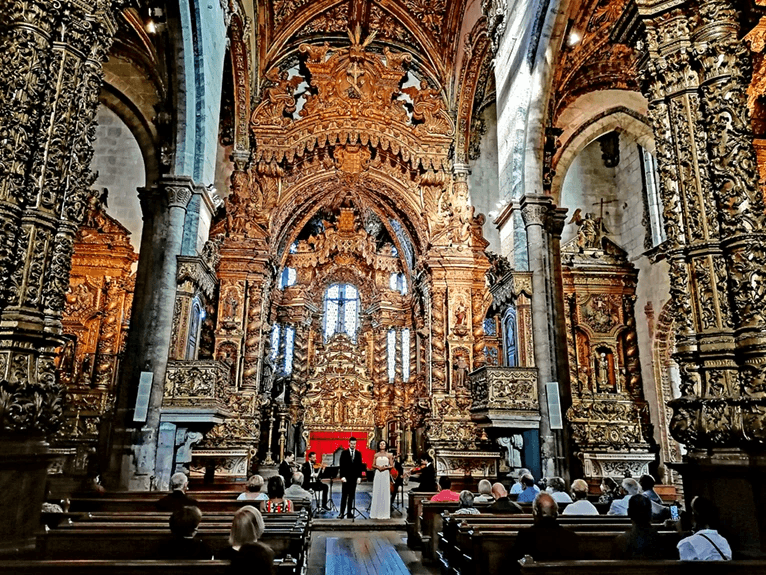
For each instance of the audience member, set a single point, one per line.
(642, 540)
(517, 488)
(311, 478)
(253, 493)
(502, 503)
(556, 489)
(546, 540)
(609, 490)
(296, 491)
(466, 504)
(184, 543)
(247, 554)
(530, 489)
(445, 493)
(427, 476)
(630, 487)
(485, 492)
(277, 502)
(177, 498)
(647, 487)
(286, 467)
(706, 544)
(581, 505)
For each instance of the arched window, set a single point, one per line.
(398, 282)
(391, 341)
(195, 323)
(289, 275)
(510, 341)
(405, 354)
(652, 198)
(282, 347)
(341, 310)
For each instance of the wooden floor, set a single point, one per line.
(364, 553)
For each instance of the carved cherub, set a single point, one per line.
(429, 108)
(278, 99)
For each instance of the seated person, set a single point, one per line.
(581, 505)
(247, 554)
(485, 492)
(296, 491)
(427, 476)
(647, 484)
(502, 503)
(517, 488)
(530, 489)
(253, 493)
(446, 494)
(546, 540)
(630, 487)
(706, 544)
(277, 502)
(556, 488)
(642, 541)
(466, 504)
(311, 474)
(177, 498)
(184, 543)
(609, 490)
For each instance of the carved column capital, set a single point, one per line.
(556, 220)
(535, 208)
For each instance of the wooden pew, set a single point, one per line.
(135, 567)
(141, 504)
(739, 567)
(414, 502)
(488, 551)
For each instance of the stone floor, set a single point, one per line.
(364, 553)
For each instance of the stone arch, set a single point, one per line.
(578, 136)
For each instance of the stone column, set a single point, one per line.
(695, 74)
(535, 210)
(151, 329)
(51, 65)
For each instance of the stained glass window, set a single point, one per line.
(405, 354)
(274, 342)
(490, 328)
(391, 354)
(341, 310)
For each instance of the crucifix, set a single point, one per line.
(355, 71)
(601, 203)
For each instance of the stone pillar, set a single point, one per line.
(46, 137)
(536, 210)
(695, 74)
(151, 329)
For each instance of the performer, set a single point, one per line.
(286, 467)
(383, 462)
(350, 474)
(427, 474)
(311, 472)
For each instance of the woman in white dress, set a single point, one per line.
(382, 463)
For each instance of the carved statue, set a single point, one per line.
(591, 230)
(428, 107)
(278, 99)
(460, 373)
(603, 372)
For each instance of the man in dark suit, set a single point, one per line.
(427, 475)
(286, 468)
(177, 498)
(351, 467)
(311, 478)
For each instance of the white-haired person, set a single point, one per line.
(630, 487)
(177, 499)
(581, 505)
(485, 492)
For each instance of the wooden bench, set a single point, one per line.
(135, 567)
(133, 505)
(644, 568)
(414, 501)
(487, 552)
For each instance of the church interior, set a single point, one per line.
(506, 234)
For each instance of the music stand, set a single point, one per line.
(329, 473)
(354, 511)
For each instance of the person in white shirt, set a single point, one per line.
(706, 544)
(630, 487)
(296, 491)
(517, 487)
(581, 506)
(556, 489)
